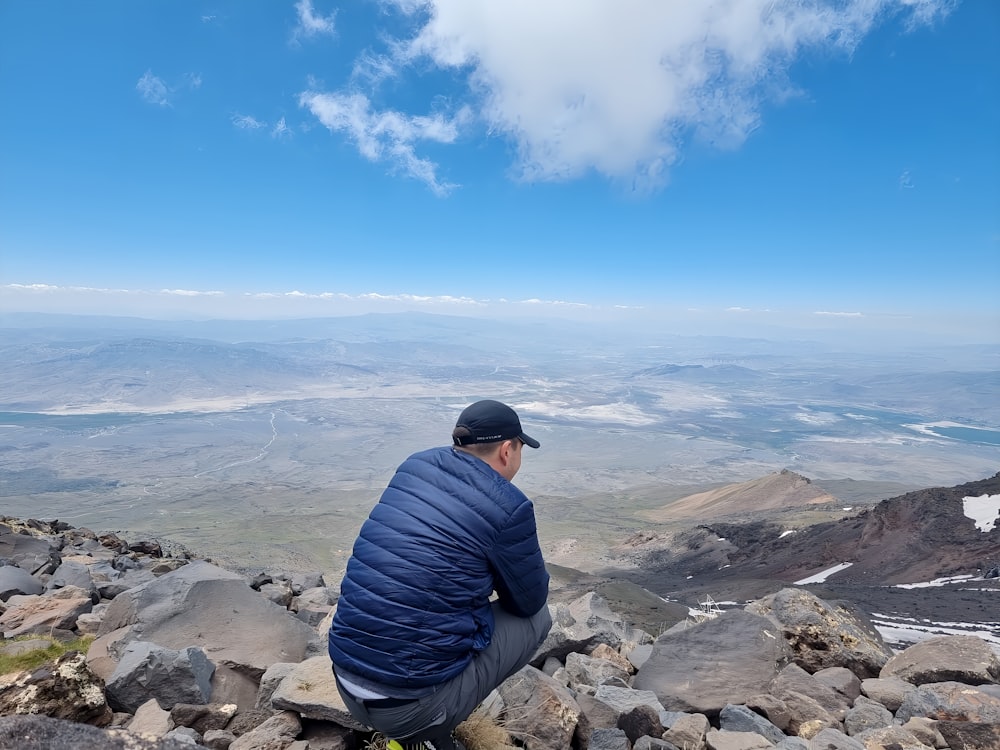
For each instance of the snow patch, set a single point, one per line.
(984, 510)
(824, 574)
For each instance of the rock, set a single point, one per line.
(953, 701)
(865, 715)
(150, 671)
(313, 604)
(280, 593)
(724, 660)
(925, 730)
(604, 651)
(823, 635)
(804, 711)
(653, 743)
(310, 690)
(794, 678)
(609, 739)
(269, 683)
(72, 573)
(958, 658)
(541, 713)
(891, 738)
(688, 731)
(202, 717)
(151, 720)
(46, 733)
(970, 735)
(90, 622)
(831, 739)
(594, 714)
(64, 689)
(840, 679)
(34, 554)
(202, 605)
(582, 625)
(640, 721)
(42, 615)
(771, 708)
(218, 739)
(586, 670)
(742, 719)
(276, 733)
(15, 580)
(722, 740)
(623, 700)
(322, 735)
(889, 691)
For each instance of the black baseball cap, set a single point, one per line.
(489, 422)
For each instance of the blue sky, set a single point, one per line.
(799, 163)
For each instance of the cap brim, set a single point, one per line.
(528, 440)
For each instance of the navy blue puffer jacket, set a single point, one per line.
(414, 604)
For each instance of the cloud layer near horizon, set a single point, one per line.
(586, 85)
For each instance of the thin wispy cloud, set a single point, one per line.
(281, 129)
(418, 299)
(905, 181)
(191, 293)
(153, 90)
(839, 314)
(311, 23)
(247, 122)
(387, 136)
(584, 86)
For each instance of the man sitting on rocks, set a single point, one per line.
(416, 642)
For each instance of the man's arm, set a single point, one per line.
(520, 578)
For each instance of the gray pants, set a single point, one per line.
(515, 640)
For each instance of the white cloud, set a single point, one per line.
(388, 135)
(153, 89)
(311, 23)
(905, 181)
(839, 314)
(583, 86)
(190, 293)
(247, 122)
(281, 129)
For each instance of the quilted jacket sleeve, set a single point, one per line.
(521, 580)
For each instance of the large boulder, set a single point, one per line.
(64, 689)
(46, 733)
(540, 712)
(202, 605)
(310, 690)
(955, 701)
(823, 634)
(583, 624)
(702, 668)
(959, 658)
(35, 554)
(16, 580)
(150, 671)
(53, 613)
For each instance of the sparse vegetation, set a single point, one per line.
(37, 657)
(481, 732)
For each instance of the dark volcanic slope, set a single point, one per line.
(915, 537)
(912, 538)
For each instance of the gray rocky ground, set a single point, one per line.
(188, 654)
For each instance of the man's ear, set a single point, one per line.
(504, 454)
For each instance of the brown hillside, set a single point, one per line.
(784, 489)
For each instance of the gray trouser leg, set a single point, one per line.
(515, 640)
